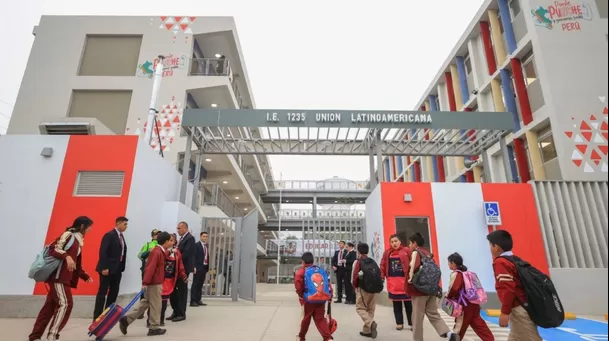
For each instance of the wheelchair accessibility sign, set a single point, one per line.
(492, 213)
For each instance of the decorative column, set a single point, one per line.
(521, 161)
(539, 173)
(485, 32)
(497, 38)
(508, 29)
(508, 96)
(521, 91)
(496, 93)
(437, 160)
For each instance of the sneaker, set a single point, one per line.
(155, 332)
(399, 327)
(365, 334)
(122, 325)
(453, 337)
(373, 332)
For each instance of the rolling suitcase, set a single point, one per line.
(109, 318)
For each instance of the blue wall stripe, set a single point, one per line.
(387, 170)
(400, 166)
(462, 178)
(508, 29)
(462, 78)
(433, 106)
(510, 99)
(510, 150)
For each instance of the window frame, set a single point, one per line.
(526, 60)
(468, 60)
(512, 13)
(542, 135)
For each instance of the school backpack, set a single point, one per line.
(317, 285)
(452, 308)
(370, 281)
(427, 278)
(44, 264)
(543, 304)
(473, 290)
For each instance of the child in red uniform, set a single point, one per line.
(315, 311)
(393, 265)
(58, 305)
(471, 312)
(510, 290)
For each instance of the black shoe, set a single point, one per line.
(122, 325)
(373, 332)
(155, 332)
(202, 304)
(178, 319)
(364, 334)
(454, 337)
(170, 318)
(338, 301)
(194, 304)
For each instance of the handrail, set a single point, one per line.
(329, 185)
(213, 195)
(331, 213)
(216, 67)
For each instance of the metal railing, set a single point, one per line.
(308, 213)
(216, 67)
(328, 185)
(213, 195)
(248, 177)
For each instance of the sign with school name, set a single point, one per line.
(354, 117)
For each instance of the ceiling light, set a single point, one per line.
(218, 55)
(245, 209)
(336, 202)
(227, 135)
(237, 198)
(214, 105)
(208, 160)
(287, 201)
(225, 182)
(222, 233)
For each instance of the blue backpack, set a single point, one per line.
(317, 285)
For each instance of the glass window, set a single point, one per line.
(529, 69)
(438, 103)
(468, 64)
(546, 145)
(514, 8)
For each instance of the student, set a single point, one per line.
(394, 265)
(366, 273)
(424, 304)
(58, 305)
(148, 246)
(152, 284)
(510, 290)
(471, 311)
(349, 258)
(316, 312)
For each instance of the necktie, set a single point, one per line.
(122, 246)
(204, 254)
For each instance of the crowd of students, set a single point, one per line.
(410, 288)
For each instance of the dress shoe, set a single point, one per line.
(194, 304)
(338, 301)
(122, 325)
(155, 332)
(178, 319)
(365, 334)
(170, 318)
(202, 304)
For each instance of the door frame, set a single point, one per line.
(429, 241)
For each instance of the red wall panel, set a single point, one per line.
(91, 153)
(519, 217)
(393, 205)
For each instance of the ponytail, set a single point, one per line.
(456, 259)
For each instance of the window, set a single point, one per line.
(468, 64)
(438, 103)
(110, 107)
(546, 145)
(528, 68)
(514, 8)
(110, 55)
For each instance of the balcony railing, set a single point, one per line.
(327, 185)
(216, 67)
(304, 213)
(248, 177)
(213, 195)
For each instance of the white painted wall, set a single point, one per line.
(374, 224)
(28, 183)
(175, 212)
(460, 227)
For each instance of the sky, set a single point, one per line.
(332, 54)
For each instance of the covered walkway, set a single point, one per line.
(274, 317)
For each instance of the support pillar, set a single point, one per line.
(497, 37)
(373, 179)
(496, 93)
(379, 155)
(477, 173)
(185, 168)
(485, 32)
(506, 156)
(417, 170)
(539, 173)
(457, 88)
(521, 91)
(510, 100)
(194, 204)
(486, 167)
(508, 28)
(462, 79)
(521, 161)
(314, 211)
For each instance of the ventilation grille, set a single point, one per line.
(99, 184)
(66, 129)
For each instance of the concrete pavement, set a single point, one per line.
(274, 317)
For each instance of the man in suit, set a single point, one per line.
(111, 264)
(200, 270)
(339, 262)
(186, 245)
(350, 258)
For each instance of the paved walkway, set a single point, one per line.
(274, 317)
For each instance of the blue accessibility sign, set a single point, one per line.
(492, 213)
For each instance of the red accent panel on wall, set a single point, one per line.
(441, 171)
(394, 166)
(416, 168)
(469, 176)
(521, 161)
(393, 205)
(519, 217)
(91, 153)
(485, 32)
(452, 103)
(522, 94)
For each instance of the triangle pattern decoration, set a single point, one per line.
(589, 137)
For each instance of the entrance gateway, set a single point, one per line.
(323, 132)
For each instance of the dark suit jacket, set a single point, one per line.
(351, 257)
(200, 257)
(110, 253)
(187, 249)
(335, 257)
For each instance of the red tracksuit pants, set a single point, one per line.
(471, 318)
(56, 310)
(317, 312)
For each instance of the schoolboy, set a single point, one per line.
(365, 302)
(510, 290)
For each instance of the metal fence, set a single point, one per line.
(221, 256)
(573, 218)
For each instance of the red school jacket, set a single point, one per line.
(56, 249)
(508, 285)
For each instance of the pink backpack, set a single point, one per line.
(473, 291)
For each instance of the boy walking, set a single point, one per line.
(152, 284)
(314, 306)
(367, 283)
(424, 292)
(510, 290)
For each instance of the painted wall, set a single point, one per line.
(19, 200)
(374, 224)
(572, 63)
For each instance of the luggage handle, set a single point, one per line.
(134, 301)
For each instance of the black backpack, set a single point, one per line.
(370, 281)
(543, 304)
